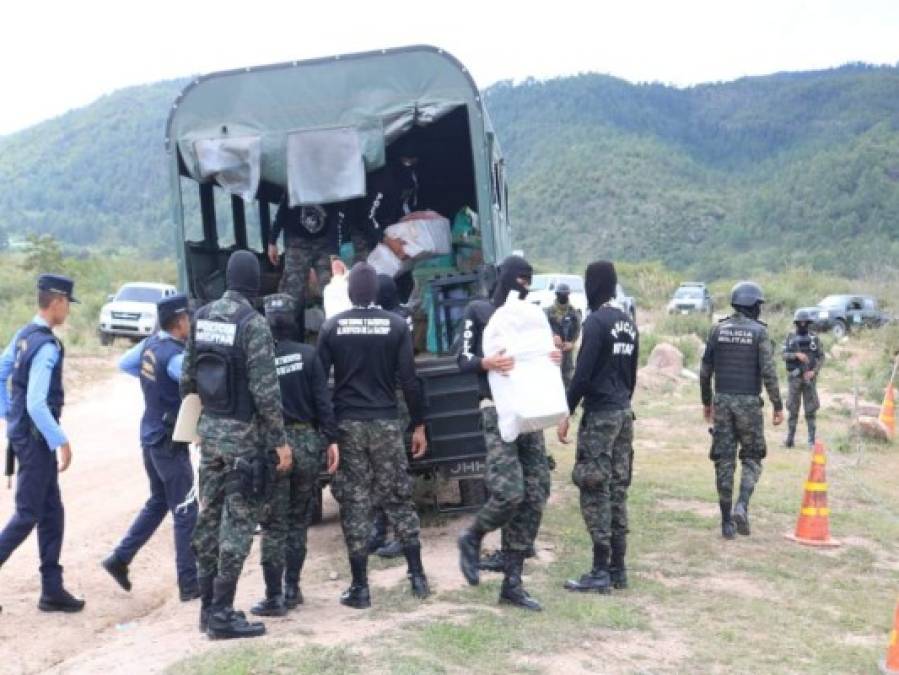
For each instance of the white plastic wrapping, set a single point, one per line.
(336, 296)
(425, 237)
(385, 261)
(531, 397)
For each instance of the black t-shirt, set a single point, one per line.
(370, 350)
(307, 222)
(471, 350)
(606, 370)
(304, 387)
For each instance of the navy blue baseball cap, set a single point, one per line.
(57, 283)
(170, 307)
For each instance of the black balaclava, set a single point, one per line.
(363, 285)
(600, 282)
(802, 327)
(242, 274)
(512, 268)
(751, 311)
(388, 297)
(562, 298)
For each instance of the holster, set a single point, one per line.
(250, 478)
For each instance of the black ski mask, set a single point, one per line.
(512, 269)
(363, 285)
(388, 297)
(802, 327)
(600, 283)
(242, 274)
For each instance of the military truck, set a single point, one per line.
(237, 140)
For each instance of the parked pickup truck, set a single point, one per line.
(843, 313)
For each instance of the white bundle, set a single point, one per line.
(531, 397)
(385, 261)
(337, 296)
(425, 237)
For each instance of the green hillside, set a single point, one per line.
(758, 173)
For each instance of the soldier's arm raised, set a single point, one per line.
(263, 381)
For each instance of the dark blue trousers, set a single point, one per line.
(38, 504)
(171, 477)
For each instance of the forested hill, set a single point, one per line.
(718, 178)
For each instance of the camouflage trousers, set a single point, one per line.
(738, 422)
(379, 516)
(224, 531)
(518, 484)
(801, 393)
(373, 470)
(300, 256)
(286, 516)
(602, 471)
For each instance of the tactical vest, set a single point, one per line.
(807, 344)
(563, 326)
(737, 369)
(222, 380)
(289, 364)
(161, 394)
(29, 342)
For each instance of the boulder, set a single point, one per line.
(666, 358)
(871, 427)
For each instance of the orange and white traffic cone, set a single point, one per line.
(890, 664)
(813, 527)
(888, 411)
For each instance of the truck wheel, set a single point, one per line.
(472, 491)
(316, 516)
(106, 339)
(840, 329)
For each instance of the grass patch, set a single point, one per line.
(271, 658)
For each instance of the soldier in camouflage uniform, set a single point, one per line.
(565, 322)
(517, 475)
(370, 350)
(738, 354)
(804, 357)
(604, 378)
(230, 363)
(310, 426)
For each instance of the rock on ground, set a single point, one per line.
(871, 427)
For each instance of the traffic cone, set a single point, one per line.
(813, 527)
(890, 665)
(888, 412)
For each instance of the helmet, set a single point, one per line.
(563, 288)
(746, 294)
(802, 315)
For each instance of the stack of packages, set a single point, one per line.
(425, 234)
(531, 396)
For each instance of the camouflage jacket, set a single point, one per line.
(267, 426)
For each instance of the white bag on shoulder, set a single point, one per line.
(531, 397)
(336, 296)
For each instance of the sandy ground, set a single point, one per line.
(149, 628)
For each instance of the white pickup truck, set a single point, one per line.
(132, 311)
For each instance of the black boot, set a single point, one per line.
(617, 570)
(741, 519)
(357, 595)
(59, 600)
(791, 434)
(810, 424)
(224, 622)
(493, 562)
(117, 570)
(470, 554)
(416, 571)
(512, 590)
(597, 580)
(273, 603)
(206, 586)
(293, 595)
(728, 531)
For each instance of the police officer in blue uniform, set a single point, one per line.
(34, 361)
(157, 363)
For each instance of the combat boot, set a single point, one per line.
(416, 571)
(59, 600)
(617, 570)
(273, 603)
(597, 580)
(293, 595)
(810, 424)
(206, 587)
(728, 531)
(224, 622)
(117, 570)
(470, 554)
(512, 590)
(741, 519)
(357, 595)
(495, 562)
(789, 441)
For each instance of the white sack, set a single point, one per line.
(337, 296)
(385, 261)
(531, 397)
(424, 237)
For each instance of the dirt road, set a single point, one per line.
(147, 629)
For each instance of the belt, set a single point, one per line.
(298, 425)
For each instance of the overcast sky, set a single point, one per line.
(58, 55)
